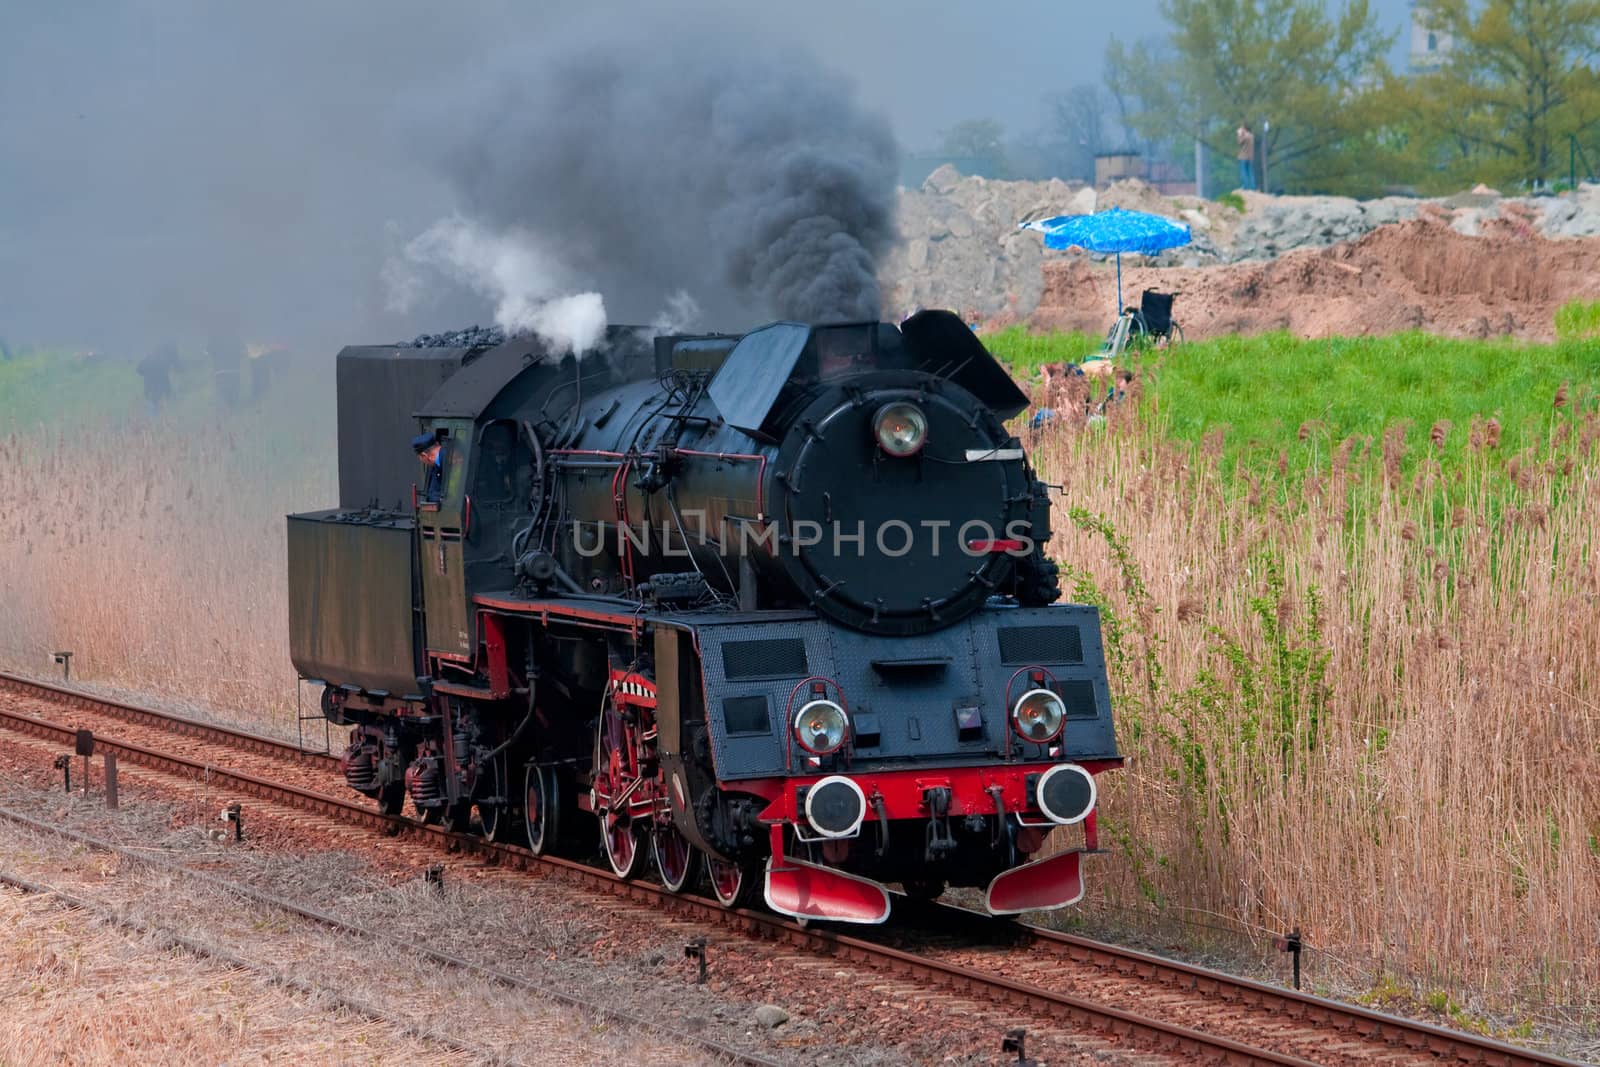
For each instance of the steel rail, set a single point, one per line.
(1352, 1020)
(201, 950)
(988, 987)
(178, 724)
(1392, 1030)
(333, 922)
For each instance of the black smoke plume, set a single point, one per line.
(672, 161)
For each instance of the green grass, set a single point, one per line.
(1266, 389)
(1275, 394)
(57, 388)
(1578, 320)
(1270, 394)
(1025, 352)
(37, 388)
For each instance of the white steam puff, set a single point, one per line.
(527, 286)
(680, 313)
(568, 323)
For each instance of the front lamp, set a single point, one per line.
(1038, 716)
(820, 727)
(901, 428)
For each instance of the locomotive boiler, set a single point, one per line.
(773, 606)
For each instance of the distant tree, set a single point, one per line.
(1079, 130)
(1520, 77)
(1032, 157)
(978, 140)
(1313, 79)
(1137, 98)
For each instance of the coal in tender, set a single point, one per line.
(471, 337)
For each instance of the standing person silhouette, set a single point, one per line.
(156, 369)
(225, 352)
(1247, 156)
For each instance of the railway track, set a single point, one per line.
(86, 711)
(1158, 1005)
(343, 926)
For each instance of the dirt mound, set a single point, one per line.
(1423, 274)
(960, 247)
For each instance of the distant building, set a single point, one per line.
(1429, 47)
(1167, 177)
(1114, 166)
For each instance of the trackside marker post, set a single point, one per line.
(234, 813)
(1292, 943)
(84, 745)
(1017, 1041)
(696, 950)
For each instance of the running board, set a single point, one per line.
(1044, 884)
(810, 891)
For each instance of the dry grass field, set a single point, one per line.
(1359, 682)
(154, 549)
(1360, 698)
(57, 966)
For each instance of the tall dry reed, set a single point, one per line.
(1363, 698)
(155, 551)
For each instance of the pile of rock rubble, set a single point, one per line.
(961, 247)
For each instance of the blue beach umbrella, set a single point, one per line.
(1116, 231)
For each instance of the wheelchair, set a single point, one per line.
(1153, 324)
(1150, 325)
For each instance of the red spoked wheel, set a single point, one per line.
(731, 883)
(621, 837)
(496, 806)
(677, 861)
(541, 808)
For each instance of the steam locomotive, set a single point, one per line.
(774, 604)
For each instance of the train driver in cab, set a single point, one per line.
(430, 450)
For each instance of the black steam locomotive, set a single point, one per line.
(776, 602)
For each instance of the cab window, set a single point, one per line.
(504, 473)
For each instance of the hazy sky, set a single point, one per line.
(169, 167)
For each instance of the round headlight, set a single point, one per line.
(820, 727)
(1066, 794)
(836, 806)
(901, 428)
(1038, 716)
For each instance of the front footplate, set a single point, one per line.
(808, 891)
(1041, 885)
